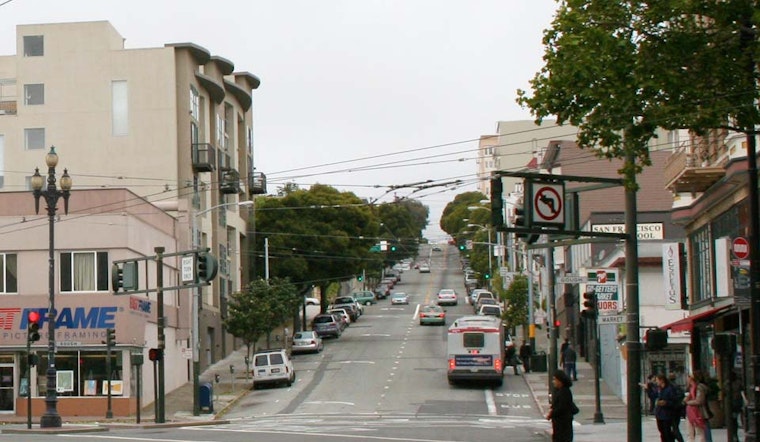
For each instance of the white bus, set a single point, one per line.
(476, 350)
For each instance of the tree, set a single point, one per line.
(402, 224)
(249, 314)
(516, 303)
(455, 212)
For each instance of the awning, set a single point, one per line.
(687, 324)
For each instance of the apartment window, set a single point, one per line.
(702, 268)
(34, 138)
(195, 104)
(2, 160)
(34, 94)
(84, 271)
(34, 46)
(220, 132)
(9, 275)
(119, 108)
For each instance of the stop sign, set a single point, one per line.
(740, 247)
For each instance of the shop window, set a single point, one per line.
(78, 373)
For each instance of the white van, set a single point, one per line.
(476, 350)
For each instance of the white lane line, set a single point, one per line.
(490, 402)
(416, 312)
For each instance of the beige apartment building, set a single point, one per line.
(171, 124)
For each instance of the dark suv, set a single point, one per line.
(326, 325)
(348, 303)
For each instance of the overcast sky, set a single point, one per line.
(366, 84)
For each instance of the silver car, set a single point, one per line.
(306, 342)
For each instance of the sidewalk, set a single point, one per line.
(614, 410)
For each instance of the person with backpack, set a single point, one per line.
(680, 409)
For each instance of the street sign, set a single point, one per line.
(740, 247)
(548, 204)
(539, 317)
(503, 271)
(619, 319)
(188, 276)
(572, 279)
(186, 352)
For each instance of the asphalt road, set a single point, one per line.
(384, 379)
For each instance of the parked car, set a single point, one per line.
(475, 293)
(343, 316)
(447, 297)
(348, 303)
(485, 301)
(364, 297)
(306, 342)
(399, 298)
(490, 309)
(311, 301)
(326, 324)
(432, 314)
(437, 249)
(272, 367)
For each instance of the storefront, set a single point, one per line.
(81, 357)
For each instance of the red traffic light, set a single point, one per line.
(557, 323)
(33, 316)
(155, 354)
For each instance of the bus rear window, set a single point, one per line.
(473, 339)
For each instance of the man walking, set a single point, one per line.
(562, 352)
(568, 359)
(525, 353)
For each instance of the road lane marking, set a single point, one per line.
(490, 402)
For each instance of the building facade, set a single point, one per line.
(172, 124)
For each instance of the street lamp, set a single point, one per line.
(51, 418)
(197, 306)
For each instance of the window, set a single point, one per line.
(34, 46)
(474, 339)
(2, 160)
(195, 104)
(702, 272)
(87, 372)
(9, 275)
(119, 108)
(84, 271)
(34, 94)
(34, 138)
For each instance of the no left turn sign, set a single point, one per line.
(548, 204)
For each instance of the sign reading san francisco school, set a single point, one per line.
(643, 230)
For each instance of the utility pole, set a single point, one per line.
(160, 411)
(633, 339)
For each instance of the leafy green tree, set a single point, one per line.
(516, 300)
(250, 315)
(455, 212)
(402, 223)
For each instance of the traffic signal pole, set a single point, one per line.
(160, 418)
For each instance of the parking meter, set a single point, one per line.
(217, 378)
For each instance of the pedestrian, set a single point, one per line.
(569, 358)
(680, 408)
(652, 390)
(511, 358)
(737, 403)
(562, 409)
(525, 353)
(562, 349)
(697, 413)
(665, 408)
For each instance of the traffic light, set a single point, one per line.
(461, 246)
(589, 305)
(497, 203)
(393, 248)
(33, 326)
(206, 266)
(656, 339)
(557, 323)
(124, 276)
(360, 278)
(155, 354)
(32, 359)
(519, 221)
(487, 276)
(110, 337)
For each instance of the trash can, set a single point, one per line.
(538, 362)
(206, 397)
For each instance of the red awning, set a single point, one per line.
(687, 324)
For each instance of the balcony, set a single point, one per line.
(683, 173)
(229, 181)
(204, 157)
(7, 107)
(257, 183)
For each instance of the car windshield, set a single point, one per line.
(432, 308)
(446, 292)
(323, 319)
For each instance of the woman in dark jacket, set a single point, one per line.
(563, 408)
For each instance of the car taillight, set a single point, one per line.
(452, 364)
(313, 342)
(441, 315)
(497, 364)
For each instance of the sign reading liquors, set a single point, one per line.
(605, 284)
(644, 231)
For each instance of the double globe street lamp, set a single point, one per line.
(51, 194)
